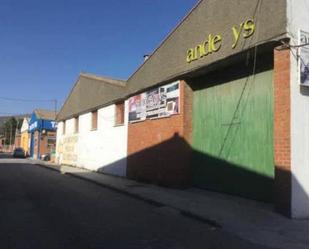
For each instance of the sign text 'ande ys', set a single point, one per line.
(213, 43)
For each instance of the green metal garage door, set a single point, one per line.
(233, 136)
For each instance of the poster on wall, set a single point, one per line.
(137, 108)
(304, 58)
(156, 103)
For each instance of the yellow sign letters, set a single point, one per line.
(213, 43)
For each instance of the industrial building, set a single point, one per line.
(221, 104)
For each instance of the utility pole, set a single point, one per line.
(6, 139)
(55, 106)
(16, 130)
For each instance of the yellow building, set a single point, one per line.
(24, 141)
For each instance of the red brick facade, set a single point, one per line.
(17, 140)
(159, 150)
(41, 143)
(282, 127)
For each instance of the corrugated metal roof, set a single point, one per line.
(168, 61)
(91, 92)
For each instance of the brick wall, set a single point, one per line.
(42, 143)
(159, 150)
(17, 141)
(282, 127)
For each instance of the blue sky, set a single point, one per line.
(45, 44)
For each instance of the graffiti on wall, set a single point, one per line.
(67, 150)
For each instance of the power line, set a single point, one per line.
(286, 45)
(27, 100)
(10, 113)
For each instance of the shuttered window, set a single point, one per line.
(76, 124)
(94, 120)
(63, 128)
(119, 118)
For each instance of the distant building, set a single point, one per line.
(42, 129)
(2, 142)
(92, 128)
(25, 137)
(17, 142)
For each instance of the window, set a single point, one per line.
(119, 113)
(76, 124)
(51, 142)
(94, 120)
(63, 128)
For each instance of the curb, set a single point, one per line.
(47, 167)
(185, 213)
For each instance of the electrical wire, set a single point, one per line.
(286, 45)
(298, 46)
(27, 100)
(10, 113)
(245, 90)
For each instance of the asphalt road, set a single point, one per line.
(40, 208)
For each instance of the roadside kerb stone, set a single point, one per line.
(249, 220)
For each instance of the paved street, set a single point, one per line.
(41, 208)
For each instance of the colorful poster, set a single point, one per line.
(304, 58)
(153, 103)
(156, 103)
(137, 108)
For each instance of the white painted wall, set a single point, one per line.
(298, 18)
(104, 149)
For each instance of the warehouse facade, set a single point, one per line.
(92, 129)
(225, 128)
(221, 105)
(234, 132)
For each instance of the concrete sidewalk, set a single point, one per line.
(249, 220)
